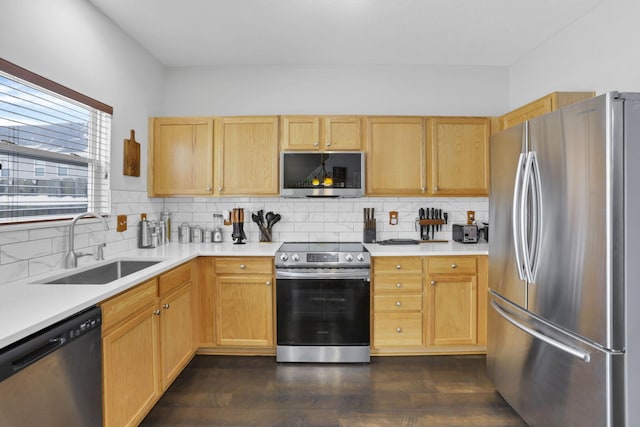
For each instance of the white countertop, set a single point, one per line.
(27, 307)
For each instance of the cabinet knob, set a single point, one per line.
(219, 188)
(156, 312)
(328, 143)
(398, 303)
(435, 188)
(208, 189)
(422, 189)
(398, 330)
(242, 266)
(454, 266)
(433, 282)
(398, 267)
(165, 306)
(398, 285)
(268, 283)
(315, 144)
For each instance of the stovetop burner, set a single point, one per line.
(322, 255)
(322, 247)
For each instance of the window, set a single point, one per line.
(54, 147)
(38, 169)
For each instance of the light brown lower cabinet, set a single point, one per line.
(424, 305)
(237, 305)
(147, 340)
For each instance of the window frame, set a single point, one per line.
(48, 158)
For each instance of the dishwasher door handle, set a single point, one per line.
(29, 358)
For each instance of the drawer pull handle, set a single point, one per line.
(399, 330)
(433, 282)
(398, 303)
(398, 285)
(268, 283)
(398, 267)
(454, 266)
(165, 306)
(156, 312)
(242, 266)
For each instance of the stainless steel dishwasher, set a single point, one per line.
(53, 377)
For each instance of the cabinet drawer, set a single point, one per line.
(397, 284)
(175, 278)
(244, 265)
(397, 303)
(397, 265)
(462, 265)
(128, 303)
(397, 330)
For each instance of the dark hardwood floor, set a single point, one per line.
(390, 391)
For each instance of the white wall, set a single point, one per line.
(597, 52)
(71, 43)
(336, 89)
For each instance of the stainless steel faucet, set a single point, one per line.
(71, 258)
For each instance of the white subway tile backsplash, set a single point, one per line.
(30, 251)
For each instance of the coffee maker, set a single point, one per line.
(237, 221)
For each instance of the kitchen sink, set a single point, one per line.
(102, 274)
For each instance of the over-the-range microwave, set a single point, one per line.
(322, 174)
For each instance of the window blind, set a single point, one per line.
(54, 150)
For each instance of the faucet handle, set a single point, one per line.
(100, 251)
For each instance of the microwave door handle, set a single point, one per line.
(515, 219)
(575, 352)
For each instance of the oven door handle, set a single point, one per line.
(334, 274)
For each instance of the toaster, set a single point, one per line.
(465, 233)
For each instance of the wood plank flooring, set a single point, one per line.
(389, 392)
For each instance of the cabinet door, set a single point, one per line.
(244, 311)
(452, 310)
(247, 155)
(458, 156)
(300, 132)
(181, 156)
(342, 133)
(395, 156)
(176, 333)
(130, 369)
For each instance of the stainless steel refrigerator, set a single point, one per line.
(564, 265)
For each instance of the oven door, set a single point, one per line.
(323, 309)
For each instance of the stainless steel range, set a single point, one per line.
(323, 301)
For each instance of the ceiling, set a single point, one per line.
(189, 33)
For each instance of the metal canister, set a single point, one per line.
(196, 234)
(165, 218)
(184, 233)
(208, 235)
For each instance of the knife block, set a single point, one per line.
(369, 235)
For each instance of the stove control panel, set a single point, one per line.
(322, 259)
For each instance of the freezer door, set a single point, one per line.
(548, 377)
(571, 283)
(507, 162)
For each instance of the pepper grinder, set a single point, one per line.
(237, 218)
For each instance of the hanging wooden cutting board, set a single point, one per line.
(131, 156)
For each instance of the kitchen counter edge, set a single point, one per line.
(27, 308)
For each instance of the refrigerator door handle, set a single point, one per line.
(576, 352)
(531, 225)
(516, 219)
(524, 217)
(536, 219)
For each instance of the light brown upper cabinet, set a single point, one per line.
(395, 156)
(324, 133)
(247, 153)
(180, 156)
(541, 106)
(458, 156)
